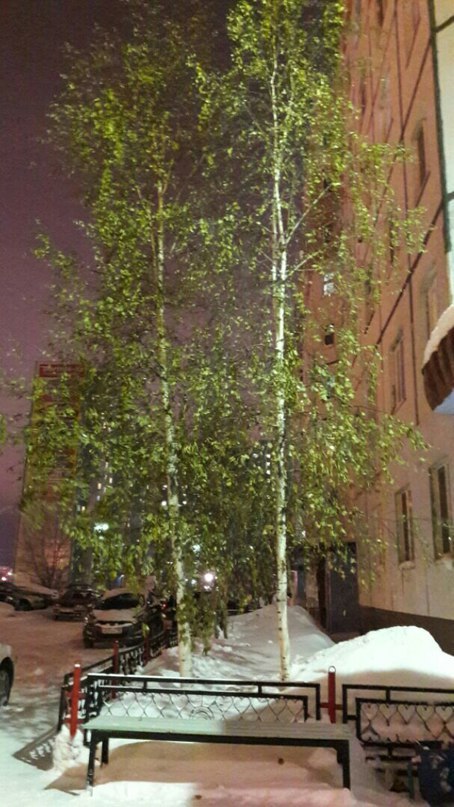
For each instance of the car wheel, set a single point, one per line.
(23, 605)
(5, 685)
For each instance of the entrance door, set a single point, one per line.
(342, 605)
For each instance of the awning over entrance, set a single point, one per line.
(438, 365)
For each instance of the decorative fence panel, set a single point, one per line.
(155, 696)
(126, 662)
(394, 719)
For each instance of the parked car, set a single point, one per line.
(7, 591)
(75, 602)
(7, 661)
(23, 599)
(123, 615)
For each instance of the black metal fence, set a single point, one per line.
(218, 699)
(126, 662)
(395, 718)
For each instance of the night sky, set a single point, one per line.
(32, 33)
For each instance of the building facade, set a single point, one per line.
(400, 58)
(43, 553)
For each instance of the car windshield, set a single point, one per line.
(72, 597)
(119, 602)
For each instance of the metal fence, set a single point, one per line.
(126, 661)
(395, 718)
(217, 699)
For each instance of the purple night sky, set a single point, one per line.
(32, 33)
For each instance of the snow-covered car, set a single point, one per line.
(6, 672)
(75, 602)
(122, 615)
(22, 598)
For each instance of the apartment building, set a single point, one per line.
(43, 553)
(400, 58)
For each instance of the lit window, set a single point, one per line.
(328, 285)
(397, 372)
(404, 517)
(441, 511)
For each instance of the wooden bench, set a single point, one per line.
(103, 728)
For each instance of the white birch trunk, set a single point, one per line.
(173, 503)
(279, 276)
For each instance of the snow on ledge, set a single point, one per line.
(442, 328)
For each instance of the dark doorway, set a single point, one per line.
(342, 605)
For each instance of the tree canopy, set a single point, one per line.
(201, 420)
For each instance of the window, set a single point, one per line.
(369, 295)
(431, 305)
(385, 115)
(392, 241)
(441, 511)
(397, 373)
(329, 335)
(362, 95)
(381, 11)
(421, 161)
(329, 286)
(404, 516)
(378, 553)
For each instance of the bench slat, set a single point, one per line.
(205, 728)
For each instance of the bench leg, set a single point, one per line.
(105, 751)
(343, 758)
(91, 761)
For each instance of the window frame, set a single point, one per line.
(431, 303)
(404, 525)
(397, 372)
(421, 166)
(441, 510)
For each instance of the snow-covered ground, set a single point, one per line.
(180, 774)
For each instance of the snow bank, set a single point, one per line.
(442, 328)
(399, 656)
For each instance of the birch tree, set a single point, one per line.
(301, 188)
(153, 418)
(125, 126)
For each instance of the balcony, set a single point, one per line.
(438, 365)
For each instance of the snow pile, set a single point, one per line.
(251, 650)
(67, 750)
(442, 328)
(400, 656)
(181, 774)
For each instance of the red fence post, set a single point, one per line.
(115, 663)
(116, 657)
(75, 697)
(332, 694)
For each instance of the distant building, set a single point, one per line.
(43, 552)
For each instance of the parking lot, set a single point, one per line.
(45, 648)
